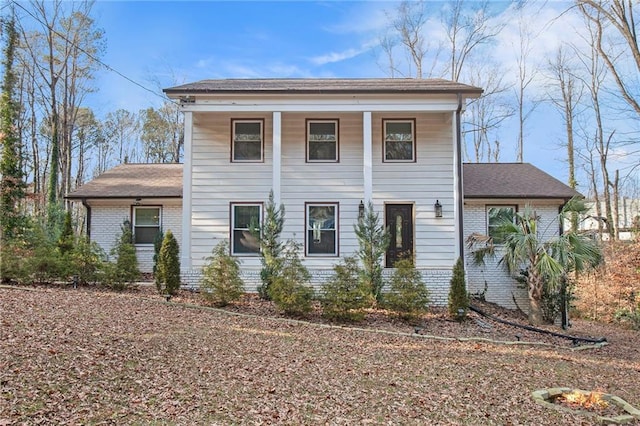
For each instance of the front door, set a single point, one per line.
(399, 223)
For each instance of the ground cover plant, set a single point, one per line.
(91, 356)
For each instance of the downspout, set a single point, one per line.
(88, 222)
(459, 188)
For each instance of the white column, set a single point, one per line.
(457, 163)
(277, 155)
(367, 157)
(186, 193)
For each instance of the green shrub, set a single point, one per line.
(168, 271)
(373, 240)
(121, 274)
(290, 290)
(345, 295)
(629, 316)
(221, 283)
(458, 296)
(157, 245)
(88, 261)
(408, 296)
(13, 267)
(270, 245)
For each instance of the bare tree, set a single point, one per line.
(467, 28)
(616, 18)
(121, 127)
(409, 23)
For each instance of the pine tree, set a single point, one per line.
(221, 283)
(270, 245)
(458, 296)
(12, 186)
(373, 240)
(125, 270)
(66, 240)
(169, 264)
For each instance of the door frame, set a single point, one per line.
(412, 217)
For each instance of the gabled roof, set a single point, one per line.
(324, 86)
(512, 180)
(134, 180)
(481, 180)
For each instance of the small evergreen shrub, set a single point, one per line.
(157, 245)
(345, 295)
(221, 283)
(373, 240)
(458, 296)
(88, 261)
(121, 274)
(270, 245)
(408, 295)
(168, 270)
(290, 290)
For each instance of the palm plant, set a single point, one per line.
(546, 262)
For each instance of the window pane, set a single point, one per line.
(147, 217)
(245, 242)
(322, 151)
(145, 235)
(497, 216)
(251, 131)
(323, 242)
(246, 217)
(398, 131)
(322, 131)
(321, 231)
(399, 150)
(247, 150)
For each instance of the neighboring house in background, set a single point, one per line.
(149, 196)
(324, 147)
(628, 219)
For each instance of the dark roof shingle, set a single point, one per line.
(134, 180)
(512, 180)
(481, 180)
(324, 86)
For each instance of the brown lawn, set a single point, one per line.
(93, 357)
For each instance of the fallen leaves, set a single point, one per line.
(86, 356)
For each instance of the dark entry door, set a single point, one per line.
(399, 222)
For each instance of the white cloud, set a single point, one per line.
(334, 57)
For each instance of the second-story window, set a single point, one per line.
(247, 141)
(399, 140)
(322, 140)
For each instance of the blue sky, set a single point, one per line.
(162, 43)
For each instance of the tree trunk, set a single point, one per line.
(535, 284)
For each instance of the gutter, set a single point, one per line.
(460, 187)
(88, 224)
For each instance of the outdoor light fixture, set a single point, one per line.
(438, 208)
(361, 210)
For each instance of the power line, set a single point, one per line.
(92, 57)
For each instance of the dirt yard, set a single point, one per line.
(88, 356)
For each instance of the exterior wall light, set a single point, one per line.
(361, 210)
(438, 208)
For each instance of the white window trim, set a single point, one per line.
(233, 140)
(337, 126)
(233, 227)
(336, 229)
(413, 140)
(134, 226)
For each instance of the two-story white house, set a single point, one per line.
(325, 147)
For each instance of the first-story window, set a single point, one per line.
(322, 229)
(146, 224)
(247, 141)
(322, 140)
(399, 140)
(246, 220)
(496, 218)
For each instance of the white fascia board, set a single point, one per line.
(439, 104)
